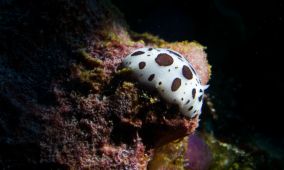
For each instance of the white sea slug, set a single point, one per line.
(171, 75)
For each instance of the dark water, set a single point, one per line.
(245, 47)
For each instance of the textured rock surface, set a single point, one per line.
(62, 102)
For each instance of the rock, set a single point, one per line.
(63, 104)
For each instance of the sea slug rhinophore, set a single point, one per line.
(171, 75)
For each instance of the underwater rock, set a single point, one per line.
(63, 104)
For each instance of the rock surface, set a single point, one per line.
(63, 102)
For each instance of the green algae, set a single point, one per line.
(92, 79)
(228, 156)
(147, 38)
(124, 71)
(169, 156)
(88, 59)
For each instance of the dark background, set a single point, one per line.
(244, 41)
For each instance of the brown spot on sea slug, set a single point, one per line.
(142, 65)
(164, 59)
(186, 72)
(176, 84)
(137, 53)
(193, 93)
(151, 77)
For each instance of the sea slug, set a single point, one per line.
(171, 75)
